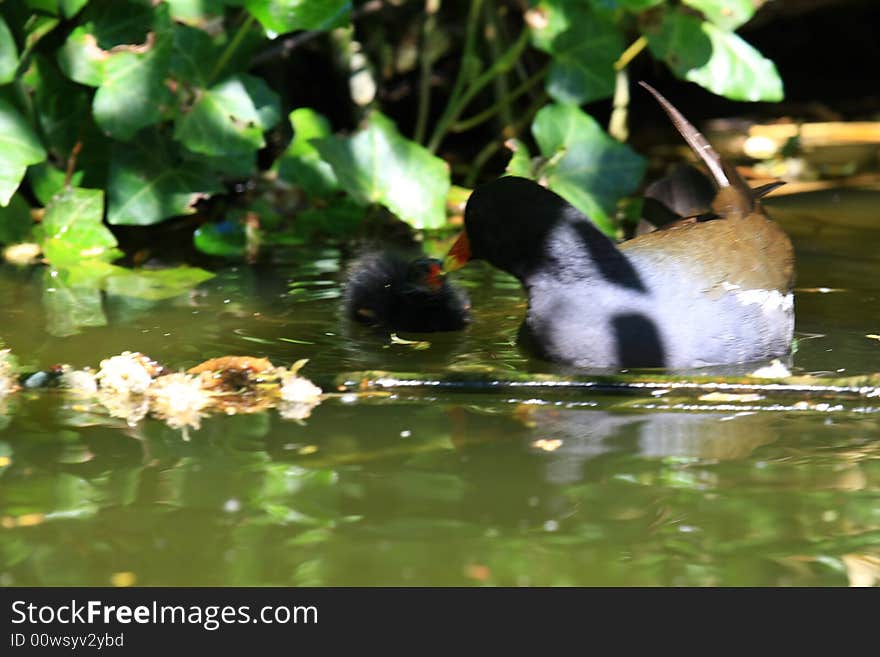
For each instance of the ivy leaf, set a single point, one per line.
(72, 228)
(71, 7)
(19, 147)
(148, 183)
(379, 165)
(585, 166)
(301, 164)
(279, 16)
(15, 220)
(726, 14)
(133, 92)
(82, 59)
(717, 60)
(264, 99)
(520, 163)
(584, 44)
(632, 5)
(224, 120)
(193, 56)
(47, 181)
(8, 54)
(196, 12)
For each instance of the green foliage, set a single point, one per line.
(580, 162)
(279, 16)
(72, 229)
(584, 45)
(715, 58)
(148, 182)
(157, 106)
(301, 163)
(379, 165)
(19, 146)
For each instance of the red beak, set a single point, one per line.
(459, 253)
(434, 279)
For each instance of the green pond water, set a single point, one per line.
(414, 487)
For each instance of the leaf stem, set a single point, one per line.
(631, 53)
(509, 132)
(427, 60)
(617, 124)
(231, 48)
(457, 105)
(477, 119)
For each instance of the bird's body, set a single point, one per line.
(709, 291)
(399, 292)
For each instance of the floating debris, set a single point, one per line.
(8, 380)
(132, 385)
(775, 370)
(22, 254)
(129, 373)
(179, 399)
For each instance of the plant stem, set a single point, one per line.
(231, 48)
(456, 106)
(509, 132)
(464, 71)
(477, 119)
(431, 9)
(631, 53)
(494, 37)
(617, 124)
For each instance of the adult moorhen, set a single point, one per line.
(709, 290)
(401, 293)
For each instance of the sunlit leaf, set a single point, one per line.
(379, 165)
(47, 181)
(520, 163)
(584, 165)
(81, 59)
(71, 7)
(717, 60)
(19, 147)
(222, 121)
(72, 228)
(195, 12)
(632, 5)
(15, 220)
(279, 16)
(300, 163)
(727, 14)
(133, 92)
(148, 183)
(8, 53)
(584, 45)
(265, 101)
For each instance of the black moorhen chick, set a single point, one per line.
(390, 290)
(708, 290)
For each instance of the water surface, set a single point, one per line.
(445, 488)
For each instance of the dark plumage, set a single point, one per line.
(712, 291)
(395, 292)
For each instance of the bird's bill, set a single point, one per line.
(459, 253)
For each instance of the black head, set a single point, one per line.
(387, 289)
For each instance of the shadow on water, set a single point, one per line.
(422, 489)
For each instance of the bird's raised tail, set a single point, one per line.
(734, 197)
